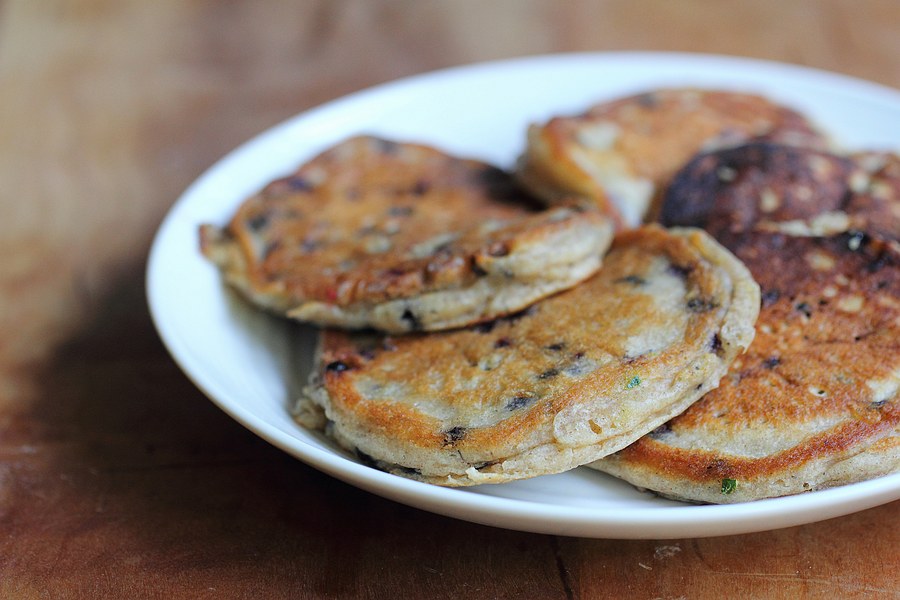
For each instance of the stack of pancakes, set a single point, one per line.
(596, 306)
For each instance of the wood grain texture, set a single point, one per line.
(119, 479)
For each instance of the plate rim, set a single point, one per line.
(667, 522)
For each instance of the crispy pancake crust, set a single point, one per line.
(787, 189)
(573, 378)
(401, 237)
(875, 206)
(814, 401)
(622, 153)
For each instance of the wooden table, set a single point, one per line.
(119, 479)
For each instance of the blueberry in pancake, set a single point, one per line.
(813, 403)
(569, 380)
(402, 237)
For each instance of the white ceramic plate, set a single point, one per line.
(252, 365)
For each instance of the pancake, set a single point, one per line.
(876, 194)
(813, 403)
(401, 237)
(622, 153)
(787, 189)
(571, 379)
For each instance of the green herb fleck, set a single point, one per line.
(635, 381)
(728, 486)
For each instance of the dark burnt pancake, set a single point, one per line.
(788, 189)
(731, 190)
(876, 194)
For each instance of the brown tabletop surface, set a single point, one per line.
(118, 478)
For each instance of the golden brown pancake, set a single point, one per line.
(401, 237)
(814, 401)
(571, 379)
(622, 153)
